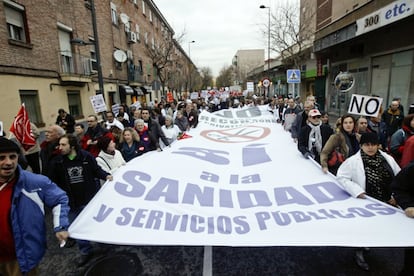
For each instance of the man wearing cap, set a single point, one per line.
(370, 172)
(313, 136)
(22, 226)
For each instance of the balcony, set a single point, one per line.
(75, 68)
(135, 76)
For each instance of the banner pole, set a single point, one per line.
(208, 261)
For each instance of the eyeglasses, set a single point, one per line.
(316, 117)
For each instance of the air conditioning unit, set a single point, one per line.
(132, 37)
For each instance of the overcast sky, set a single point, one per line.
(218, 27)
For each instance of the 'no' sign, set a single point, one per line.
(364, 105)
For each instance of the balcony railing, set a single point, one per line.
(75, 67)
(135, 75)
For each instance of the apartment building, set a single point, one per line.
(370, 39)
(49, 56)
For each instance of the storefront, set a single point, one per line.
(380, 57)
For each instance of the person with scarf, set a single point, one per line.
(130, 144)
(401, 145)
(313, 136)
(369, 172)
(109, 158)
(345, 141)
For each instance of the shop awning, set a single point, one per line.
(126, 89)
(139, 91)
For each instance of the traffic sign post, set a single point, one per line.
(293, 76)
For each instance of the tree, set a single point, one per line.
(226, 77)
(161, 53)
(292, 32)
(206, 77)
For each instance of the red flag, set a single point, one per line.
(21, 129)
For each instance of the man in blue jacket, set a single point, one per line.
(22, 228)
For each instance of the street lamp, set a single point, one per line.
(189, 63)
(268, 44)
(189, 43)
(97, 49)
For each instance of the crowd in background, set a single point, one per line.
(365, 153)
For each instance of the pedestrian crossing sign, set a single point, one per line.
(293, 76)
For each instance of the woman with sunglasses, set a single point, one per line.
(345, 141)
(313, 136)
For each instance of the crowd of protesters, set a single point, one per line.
(365, 154)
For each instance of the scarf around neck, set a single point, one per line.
(315, 137)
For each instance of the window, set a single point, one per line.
(16, 19)
(30, 98)
(137, 32)
(143, 7)
(75, 106)
(114, 15)
(150, 16)
(141, 70)
(146, 38)
(65, 52)
(93, 63)
(153, 43)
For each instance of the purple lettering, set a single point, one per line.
(382, 209)
(246, 199)
(141, 214)
(208, 155)
(326, 192)
(165, 187)
(204, 198)
(154, 220)
(194, 224)
(242, 225)
(261, 217)
(133, 188)
(226, 199)
(289, 195)
(103, 213)
(255, 154)
(127, 216)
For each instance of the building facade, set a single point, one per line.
(49, 58)
(370, 39)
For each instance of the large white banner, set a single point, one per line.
(238, 181)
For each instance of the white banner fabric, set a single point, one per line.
(238, 181)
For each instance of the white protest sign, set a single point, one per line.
(364, 105)
(98, 103)
(238, 181)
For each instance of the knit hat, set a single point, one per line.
(7, 145)
(369, 137)
(103, 142)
